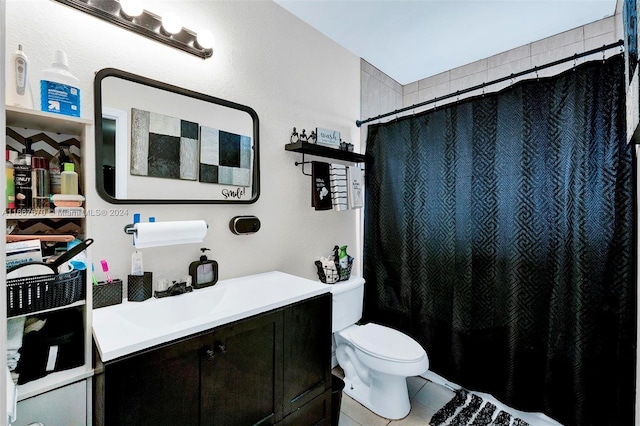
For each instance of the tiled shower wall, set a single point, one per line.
(381, 94)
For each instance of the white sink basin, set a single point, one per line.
(129, 327)
(173, 310)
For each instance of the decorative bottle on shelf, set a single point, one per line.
(11, 194)
(69, 180)
(39, 184)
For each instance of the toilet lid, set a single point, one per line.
(386, 343)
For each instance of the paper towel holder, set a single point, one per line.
(130, 229)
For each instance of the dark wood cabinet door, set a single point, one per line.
(241, 373)
(159, 387)
(307, 353)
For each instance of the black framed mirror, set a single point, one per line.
(161, 144)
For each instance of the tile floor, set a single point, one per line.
(426, 398)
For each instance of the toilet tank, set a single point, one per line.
(348, 298)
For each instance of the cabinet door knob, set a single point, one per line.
(220, 348)
(208, 352)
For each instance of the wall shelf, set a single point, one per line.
(40, 392)
(323, 151)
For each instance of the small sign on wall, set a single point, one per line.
(328, 137)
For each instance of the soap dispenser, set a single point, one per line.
(204, 272)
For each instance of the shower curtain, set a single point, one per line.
(500, 234)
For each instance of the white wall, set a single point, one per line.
(265, 58)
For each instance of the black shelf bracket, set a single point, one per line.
(302, 163)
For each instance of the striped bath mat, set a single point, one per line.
(468, 409)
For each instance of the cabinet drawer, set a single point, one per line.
(46, 408)
(315, 412)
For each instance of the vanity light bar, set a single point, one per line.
(146, 23)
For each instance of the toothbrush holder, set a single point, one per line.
(139, 287)
(107, 293)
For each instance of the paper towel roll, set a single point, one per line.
(155, 234)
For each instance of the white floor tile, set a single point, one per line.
(414, 384)
(434, 395)
(419, 415)
(360, 413)
(347, 421)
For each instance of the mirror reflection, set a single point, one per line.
(157, 143)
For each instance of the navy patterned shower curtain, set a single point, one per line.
(500, 234)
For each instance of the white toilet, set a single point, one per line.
(376, 359)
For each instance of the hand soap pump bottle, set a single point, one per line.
(204, 272)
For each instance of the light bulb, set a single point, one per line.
(131, 8)
(205, 39)
(171, 23)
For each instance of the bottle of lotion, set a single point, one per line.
(18, 88)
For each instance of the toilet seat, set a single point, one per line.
(386, 343)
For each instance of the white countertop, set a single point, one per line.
(128, 327)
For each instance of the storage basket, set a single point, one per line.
(330, 276)
(107, 293)
(36, 293)
(139, 287)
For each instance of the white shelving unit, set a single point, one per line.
(82, 129)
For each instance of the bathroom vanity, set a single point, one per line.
(253, 350)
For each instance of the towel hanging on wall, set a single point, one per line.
(321, 186)
(355, 178)
(338, 178)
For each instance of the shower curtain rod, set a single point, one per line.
(499, 80)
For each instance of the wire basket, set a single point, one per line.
(332, 276)
(36, 293)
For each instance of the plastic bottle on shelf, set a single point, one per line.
(22, 176)
(59, 89)
(11, 194)
(39, 184)
(56, 166)
(69, 180)
(343, 258)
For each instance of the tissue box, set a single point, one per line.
(107, 294)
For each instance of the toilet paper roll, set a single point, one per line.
(156, 234)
